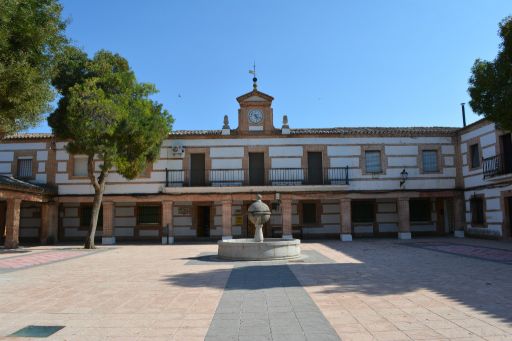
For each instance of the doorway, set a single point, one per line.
(203, 221)
(508, 201)
(440, 216)
(3, 207)
(256, 169)
(315, 176)
(197, 170)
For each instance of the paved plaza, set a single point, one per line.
(378, 289)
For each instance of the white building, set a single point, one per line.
(333, 182)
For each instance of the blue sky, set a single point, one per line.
(326, 63)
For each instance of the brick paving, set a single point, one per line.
(40, 258)
(368, 290)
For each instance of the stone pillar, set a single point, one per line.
(286, 215)
(459, 212)
(345, 220)
(12, 223)
(404, 224)
(227, 218)
(167, 213)
(49, 222)
(108, 237)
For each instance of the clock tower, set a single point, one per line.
(255, 115)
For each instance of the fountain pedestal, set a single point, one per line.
(259, 248)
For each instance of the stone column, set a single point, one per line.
(227, 218)
(108, 237)
(345, 220)
(12, 223)
(49, 222)
(404, 224)
(167, 213)
(459, 212)
(286, 215)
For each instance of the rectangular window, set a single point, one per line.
(419, 210)
(80, 166)
(477, 211)
(475, 155)
(430, 161)
(149, 214)
(86, 214)
(309, 213)
(24, 168)
(363, 211)
(372, 161)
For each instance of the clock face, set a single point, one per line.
(255, 116)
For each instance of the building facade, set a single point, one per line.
(333, 182)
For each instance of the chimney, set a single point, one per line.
(463, 114)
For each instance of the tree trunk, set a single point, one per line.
(96, 206)
(99, 188)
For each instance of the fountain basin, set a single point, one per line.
(269, 249)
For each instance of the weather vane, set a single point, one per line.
(253, 72)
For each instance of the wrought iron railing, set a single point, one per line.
(496, 165)
(257, 177)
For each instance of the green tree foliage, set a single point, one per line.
(107, 115)
(491, 82)
(31, 35)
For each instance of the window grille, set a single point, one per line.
(430, 161)
(80, 166)
(24, 168)
(148, 214)
(372, 159)
(419, 210)
(363, 211)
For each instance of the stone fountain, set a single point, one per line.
(259, 248)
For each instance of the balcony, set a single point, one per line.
(497, 165)
(256, 177)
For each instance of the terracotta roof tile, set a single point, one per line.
(9, 181)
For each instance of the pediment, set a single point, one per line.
(255, 96)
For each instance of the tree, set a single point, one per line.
(31, 35)
(491, 82)
(106, 114)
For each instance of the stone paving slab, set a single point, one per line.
(267, 302)
(479, 252)
(307, 256)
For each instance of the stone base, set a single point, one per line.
(269, 249)
(108, 240)
(287, 237)
(346, 237)
(227, 237)
(458, 233)
(404, 235)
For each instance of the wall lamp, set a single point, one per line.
(403, 175)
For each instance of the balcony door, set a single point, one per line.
(197, 170)
(256, 169)
(506, 152)
(315, 176)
